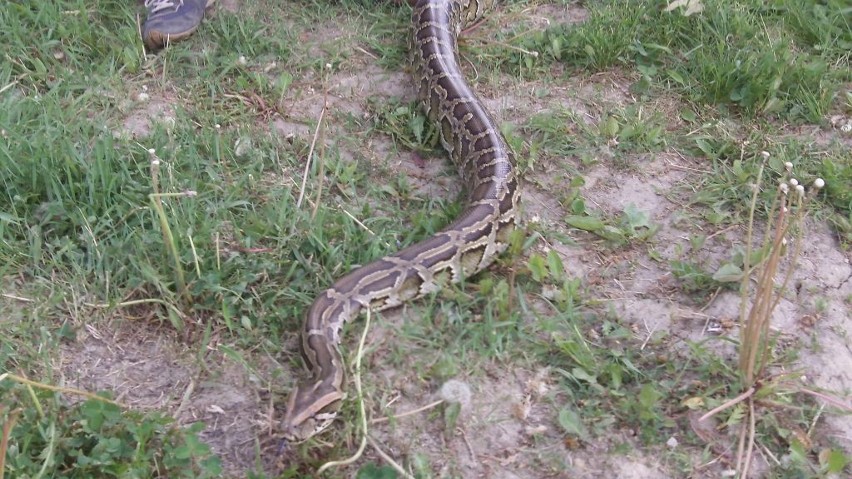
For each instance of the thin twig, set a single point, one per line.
(361, 410)
(380, 420)
(135, 302)
(359, 223)
(728, 404)
(17, 298)
(310, 158)
(321, 172)
(749, 442)
(78, 392)
(389, 459)
(836, 402)
(4, 439)
(185, 399)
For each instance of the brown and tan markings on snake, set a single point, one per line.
(469, 244)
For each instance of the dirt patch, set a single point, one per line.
(151, 370)
(147, 108)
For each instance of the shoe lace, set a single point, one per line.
(154, 6)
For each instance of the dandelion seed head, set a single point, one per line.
(242, 60)
(764, 154)
(819, 183)
(794, 182)
(456, 391)
(800, 190)
(783, 187)
(788, 166)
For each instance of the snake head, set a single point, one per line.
(310, 410)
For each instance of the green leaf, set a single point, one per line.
(728, 273)
(418, 127)
(635, 218)
(649, 395)
(571, 423)
(451, 416)
(677, 77)
(586, 223)
(554, 265)
(582, 375)
(611, 233)
(610, 127)
(833, 461)
(537, 267)
(688, 115)
(706, 148)
(578, 206)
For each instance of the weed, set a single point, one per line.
(94, 438)
(632, 225)
(783, 236)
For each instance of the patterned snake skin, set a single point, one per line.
(469, 244)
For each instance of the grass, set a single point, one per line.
(196, 227)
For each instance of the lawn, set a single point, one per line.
(167, 217)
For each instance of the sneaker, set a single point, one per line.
(171, 20)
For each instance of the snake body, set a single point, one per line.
(469, 244)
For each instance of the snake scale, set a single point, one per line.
(481, 232)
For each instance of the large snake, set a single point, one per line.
(473, 140)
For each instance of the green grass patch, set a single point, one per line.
(784, 59)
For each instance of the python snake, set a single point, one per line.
(475, 144)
